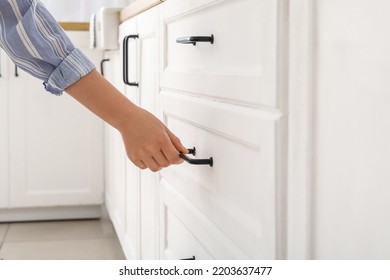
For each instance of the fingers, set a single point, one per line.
(168, 153)
(176, 142)
(140, 164)
(152, 164)
(171, 153)
(161, 160)
(150, 144)
(155, 162)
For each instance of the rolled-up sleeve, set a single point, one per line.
(37, 44)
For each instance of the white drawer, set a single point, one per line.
(180, 242)
(186, 233)
(237, 194)
(239, 67)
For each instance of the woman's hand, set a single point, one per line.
(148, 142)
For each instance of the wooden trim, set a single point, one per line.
(136, 8)
(75, 26)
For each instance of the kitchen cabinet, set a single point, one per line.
(229, 210)
(290, 99)
(55, 149)
(222, 97)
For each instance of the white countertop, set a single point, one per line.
(137, 7)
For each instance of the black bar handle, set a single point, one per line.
(189, 259)
(16, 71)
(102, 65)
(195, 39)
(192, 151)
(126, 58)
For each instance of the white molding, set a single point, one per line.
(300, 127)
(281, 129)
(50, 213)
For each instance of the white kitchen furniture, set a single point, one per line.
(51, 148)
(221, 98)
(290, 99)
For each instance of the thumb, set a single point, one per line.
(176, 142)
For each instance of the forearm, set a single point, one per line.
(103, 99)
(148, 142)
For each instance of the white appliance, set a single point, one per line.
(104, 29)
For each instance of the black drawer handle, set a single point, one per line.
(206, 161)
(126, 60)
(102, 65)
(16, 71)
(189, 259)
(195, 39)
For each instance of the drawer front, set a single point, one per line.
(180, 242)
(237, 194)
(187, 233)
(240, 65)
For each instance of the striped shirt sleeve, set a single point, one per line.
(37, 44)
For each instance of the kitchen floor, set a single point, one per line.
(60, 240)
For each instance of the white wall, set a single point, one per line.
(339, 133)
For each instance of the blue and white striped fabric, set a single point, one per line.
(37, 44)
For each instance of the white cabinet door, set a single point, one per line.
(132, 173)
(223, 99)
(115, 156)
(55, 145)
(340, 117)
(141, 202)
(4, 126)
(147, 26)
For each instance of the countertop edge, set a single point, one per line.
(136, 8)
(75, 26)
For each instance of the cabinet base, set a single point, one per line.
(50, 213)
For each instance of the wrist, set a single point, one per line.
(127, 114)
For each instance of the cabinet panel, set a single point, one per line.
(180, 242)
(47, 166)
(115, 179)
(115, 157)
(187, 233)
(55, 144)
(147, 24)
(141, 193)
(132, 173)
(241, 59)
(238, 193)
(4, 148)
